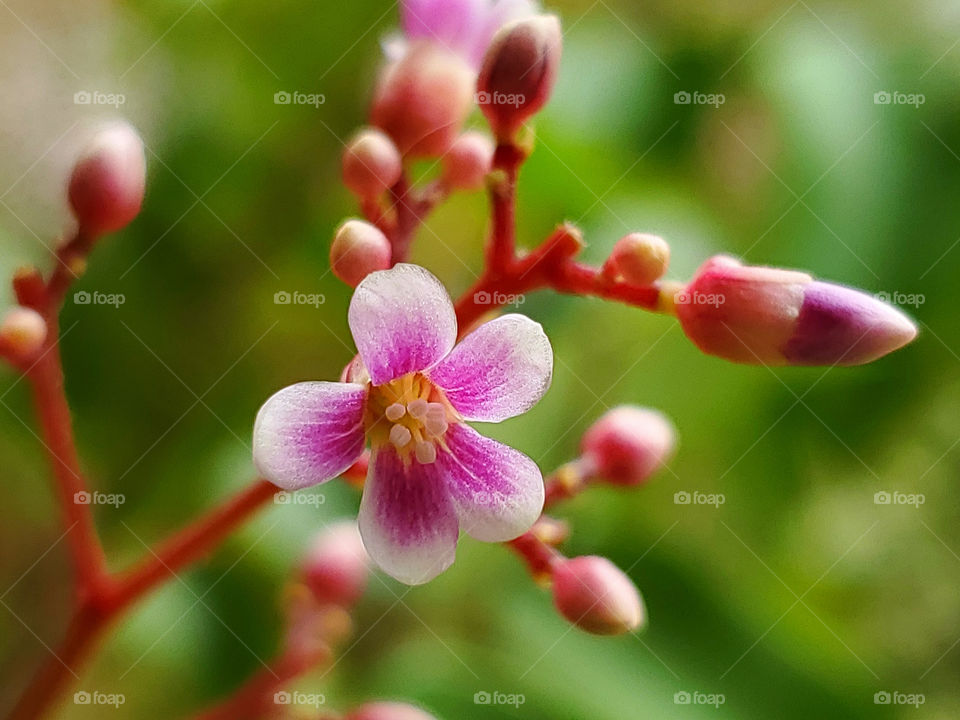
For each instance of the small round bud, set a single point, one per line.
(335, 567)
(371, 163)
(422, 99)
(518, 72)
(389, 711)
(628, 444)
(108, 180)
(358, 249)
(466, 164)
(22, 333)
(638, 258)
(595, 595)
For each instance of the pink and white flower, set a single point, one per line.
(408, 394)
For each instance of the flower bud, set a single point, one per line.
(335, 567)
(22, 333)
(423, 98)
(389, 711)
(107, 184)
(766, 315)
(595, 595)
(638, 258)
(358, 249)
(467, 162)
(518, 72)
(628, 444)
(371, 163)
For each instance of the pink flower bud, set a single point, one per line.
(358, 249)
(628, 444)
(638, 258)
(371, 163)
(423, 98)
(107, 184)
(766, 315)
(389, 711)
(467, 162)
(22, 333)
(595, 595)
(335, 567)
(518, 72)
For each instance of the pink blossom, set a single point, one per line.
(408, 394)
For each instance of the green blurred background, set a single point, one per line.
(798, 598)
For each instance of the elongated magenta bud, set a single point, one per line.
(518, 72)
(596, 596)
(389, 711)
(628, 444)
(371, 163)
(336, 567)
(358, 249)
(766, 315)
(107, 184)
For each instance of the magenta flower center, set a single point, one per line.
(410, 413)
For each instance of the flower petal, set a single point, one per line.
(498, 371)
(498, 491)
(407, 519)
(402, 321)
(309, 433)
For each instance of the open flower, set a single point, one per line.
(408, 394)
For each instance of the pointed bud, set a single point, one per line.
(358, 249)
(595, 595)
(466, 164)
(518, 72)
(335, 567)
(422, 99)
(107, 184)
(766, 315)
(638, 258)
(628, 444)
(22, 333)
(371, 163)
(389, 711)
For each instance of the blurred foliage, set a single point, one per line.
(798, 598)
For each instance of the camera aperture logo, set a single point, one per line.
(95, 97)
(698, 98)
(894, 697)
(83, 497)
(695, 497)
(82, 297)
(499, 299)
(282, 97)
(284, 697)
(684, 697)
(883, 497)
(482, 697)
(884, 97)
(95, 697)
(282, 297)
(298, 498)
